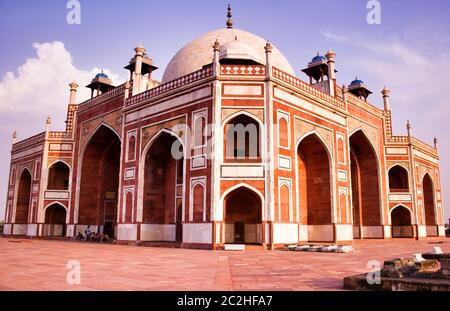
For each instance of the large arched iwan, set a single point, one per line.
(23, 197)
(314, 187)
(428, 198)
(163, 187)
(365, 184)
(100, 181)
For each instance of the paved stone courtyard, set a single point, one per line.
(41, 265)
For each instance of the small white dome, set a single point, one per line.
(199, 52)
(238, 49)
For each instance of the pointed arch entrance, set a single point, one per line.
(100, 181)
(163, 190)
(401, 222)
(314, 188)
(55, 220)
(365, 185)
(243, 217)
(23, 198)
(430, 211)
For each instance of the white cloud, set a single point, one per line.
(42, 82)
(39, 88)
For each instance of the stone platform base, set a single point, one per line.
(359, 282)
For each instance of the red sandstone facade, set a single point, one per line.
(327, 167)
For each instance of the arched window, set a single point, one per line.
(343, 207)
(58, 176)
(198, 197)
(398, 179)
(284, 203)
(131, 147)
(340, 149)
(199, 127)
(242, 139)
(128, 206)
(283, 132)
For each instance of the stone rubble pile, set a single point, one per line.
(331, 248)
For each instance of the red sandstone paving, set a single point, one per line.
(41, 265)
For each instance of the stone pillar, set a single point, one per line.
(269, 132)
(386, 93)
(73, 92)
(408, 129)
(268, 48)
(48, 122)
(14, 137)
(127, 90)
(331, 72)
(216, 64)
(138, 69)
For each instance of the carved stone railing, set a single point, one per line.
(198, 75)
(101, 98)
(399, 139)
(243, 70)
(306, 87)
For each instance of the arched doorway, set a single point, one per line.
(58, 176)
(398, 179)
(428, 198)
(243, 219)
(100, 182)
(365, 186)
(314, 187)
(401, 222)
(23, 198)
(163, 190)
(55, 220)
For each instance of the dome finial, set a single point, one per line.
(229, 15)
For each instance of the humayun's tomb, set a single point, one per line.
(324, 165)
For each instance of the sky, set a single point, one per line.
(40, 54)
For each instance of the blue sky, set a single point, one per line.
(407, 52)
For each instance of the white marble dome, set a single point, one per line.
(199, 52)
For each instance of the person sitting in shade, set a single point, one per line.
(80, 236)
(88, 233)
(105, 238)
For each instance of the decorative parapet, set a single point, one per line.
(71, 110)
(352, 99)
(101, 98)
(388, 123)
(418, 144)
(243, 70)
(306, 87)
(198, 75)
(399, 139)
(26, 143)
